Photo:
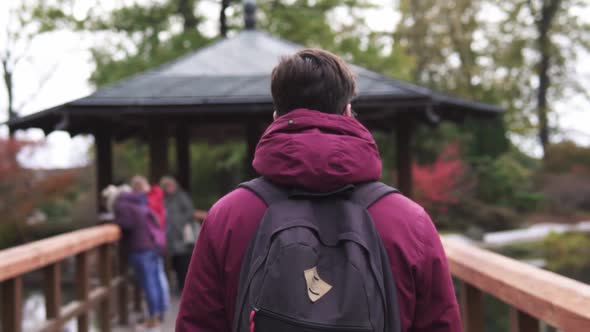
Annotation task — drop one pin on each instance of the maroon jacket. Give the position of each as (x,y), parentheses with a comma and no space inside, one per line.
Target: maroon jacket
(320,152)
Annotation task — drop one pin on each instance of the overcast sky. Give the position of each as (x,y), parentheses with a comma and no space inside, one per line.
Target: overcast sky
(66,56)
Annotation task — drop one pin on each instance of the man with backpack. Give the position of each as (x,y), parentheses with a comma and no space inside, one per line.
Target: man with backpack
(316,243)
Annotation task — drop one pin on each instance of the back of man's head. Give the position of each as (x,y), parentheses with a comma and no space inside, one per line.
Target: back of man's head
(140,184)
(313,79)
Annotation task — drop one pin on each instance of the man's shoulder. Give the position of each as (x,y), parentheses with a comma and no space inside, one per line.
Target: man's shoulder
(238,204)
(404,224)
(400,206)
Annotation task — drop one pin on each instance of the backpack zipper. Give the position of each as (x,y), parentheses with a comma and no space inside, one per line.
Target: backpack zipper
(315,326)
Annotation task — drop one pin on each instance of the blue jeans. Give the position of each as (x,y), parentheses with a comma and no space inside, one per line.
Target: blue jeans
(146,265)
(164,284)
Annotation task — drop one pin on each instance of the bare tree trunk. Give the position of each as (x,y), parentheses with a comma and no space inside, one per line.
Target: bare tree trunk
(461,35)
(186,8)
(542,102)
(548,12)
(417,46)
(9,91)
(223,18)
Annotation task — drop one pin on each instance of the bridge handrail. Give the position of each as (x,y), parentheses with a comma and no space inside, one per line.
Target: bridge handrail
(36,255)
(86,246)
(533,293)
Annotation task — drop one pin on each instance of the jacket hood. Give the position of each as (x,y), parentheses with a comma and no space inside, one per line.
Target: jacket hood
(317,151)
(131,198)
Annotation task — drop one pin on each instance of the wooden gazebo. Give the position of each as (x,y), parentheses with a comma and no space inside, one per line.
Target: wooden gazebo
(222,91)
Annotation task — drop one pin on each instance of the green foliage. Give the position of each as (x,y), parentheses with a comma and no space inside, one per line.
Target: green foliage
(567,157)
(385,143)
(564,253)
(535,41)
(109,70)
(10,235)
(27,192)
(447,45)
(434,31)
(487,137)
(457,49)
(430,141)
(140,36)
(523,250)
(313,24)
(568,193)
(217,169)
(565,178)
(483,217)
(568,253)
(506,182)
(496,314)
(155,40)
(129,158)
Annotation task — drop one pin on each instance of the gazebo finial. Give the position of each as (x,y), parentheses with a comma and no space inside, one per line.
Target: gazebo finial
(250,14)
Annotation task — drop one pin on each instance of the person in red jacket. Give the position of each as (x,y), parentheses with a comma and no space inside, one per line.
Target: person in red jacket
(316,143)
(153,197)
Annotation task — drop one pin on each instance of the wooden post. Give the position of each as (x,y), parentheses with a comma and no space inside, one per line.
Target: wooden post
(158,147)
(105,273)
(253,134)
(183,159)
(82,288)
(12,305)
(104,163)
(124,291)
(52,291)
(471,304)
(404,131)
(520,321)
(137,304)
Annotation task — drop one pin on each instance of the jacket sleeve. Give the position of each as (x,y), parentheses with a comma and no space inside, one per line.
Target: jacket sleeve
(124,214)
(436,303)
(187,207)
(202,304)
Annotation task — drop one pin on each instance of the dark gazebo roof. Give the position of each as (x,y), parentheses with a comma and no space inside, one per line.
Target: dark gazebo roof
(230,79)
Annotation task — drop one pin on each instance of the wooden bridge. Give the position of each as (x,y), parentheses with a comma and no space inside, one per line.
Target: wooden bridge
(104,287)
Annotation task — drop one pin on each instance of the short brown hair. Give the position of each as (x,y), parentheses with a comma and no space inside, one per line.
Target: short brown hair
(313,79)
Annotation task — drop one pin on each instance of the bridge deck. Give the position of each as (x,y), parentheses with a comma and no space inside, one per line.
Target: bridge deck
(167,326)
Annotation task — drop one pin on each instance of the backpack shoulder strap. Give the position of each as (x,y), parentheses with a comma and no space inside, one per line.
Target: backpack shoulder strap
(265,190)
(368,193)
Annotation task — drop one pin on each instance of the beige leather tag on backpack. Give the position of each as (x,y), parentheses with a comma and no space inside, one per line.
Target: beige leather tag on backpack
(316,287)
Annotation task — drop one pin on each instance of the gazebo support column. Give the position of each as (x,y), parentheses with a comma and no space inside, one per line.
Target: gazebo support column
(104,163)
(183,159)
(253,134)
(404,132)
(158,147)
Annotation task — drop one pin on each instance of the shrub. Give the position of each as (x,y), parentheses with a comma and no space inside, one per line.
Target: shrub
(566,193)
(567,157)
(25,190)
(505,181)
(479,217)
(568,254)
(565,178)
(442,183)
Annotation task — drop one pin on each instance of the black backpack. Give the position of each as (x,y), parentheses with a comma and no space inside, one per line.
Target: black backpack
(316,263)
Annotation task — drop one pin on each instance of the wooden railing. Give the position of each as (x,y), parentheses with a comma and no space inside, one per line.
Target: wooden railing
(534,294)
(94,243)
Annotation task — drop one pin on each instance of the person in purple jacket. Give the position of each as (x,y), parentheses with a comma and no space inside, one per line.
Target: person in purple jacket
(143,244)
(315,143)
